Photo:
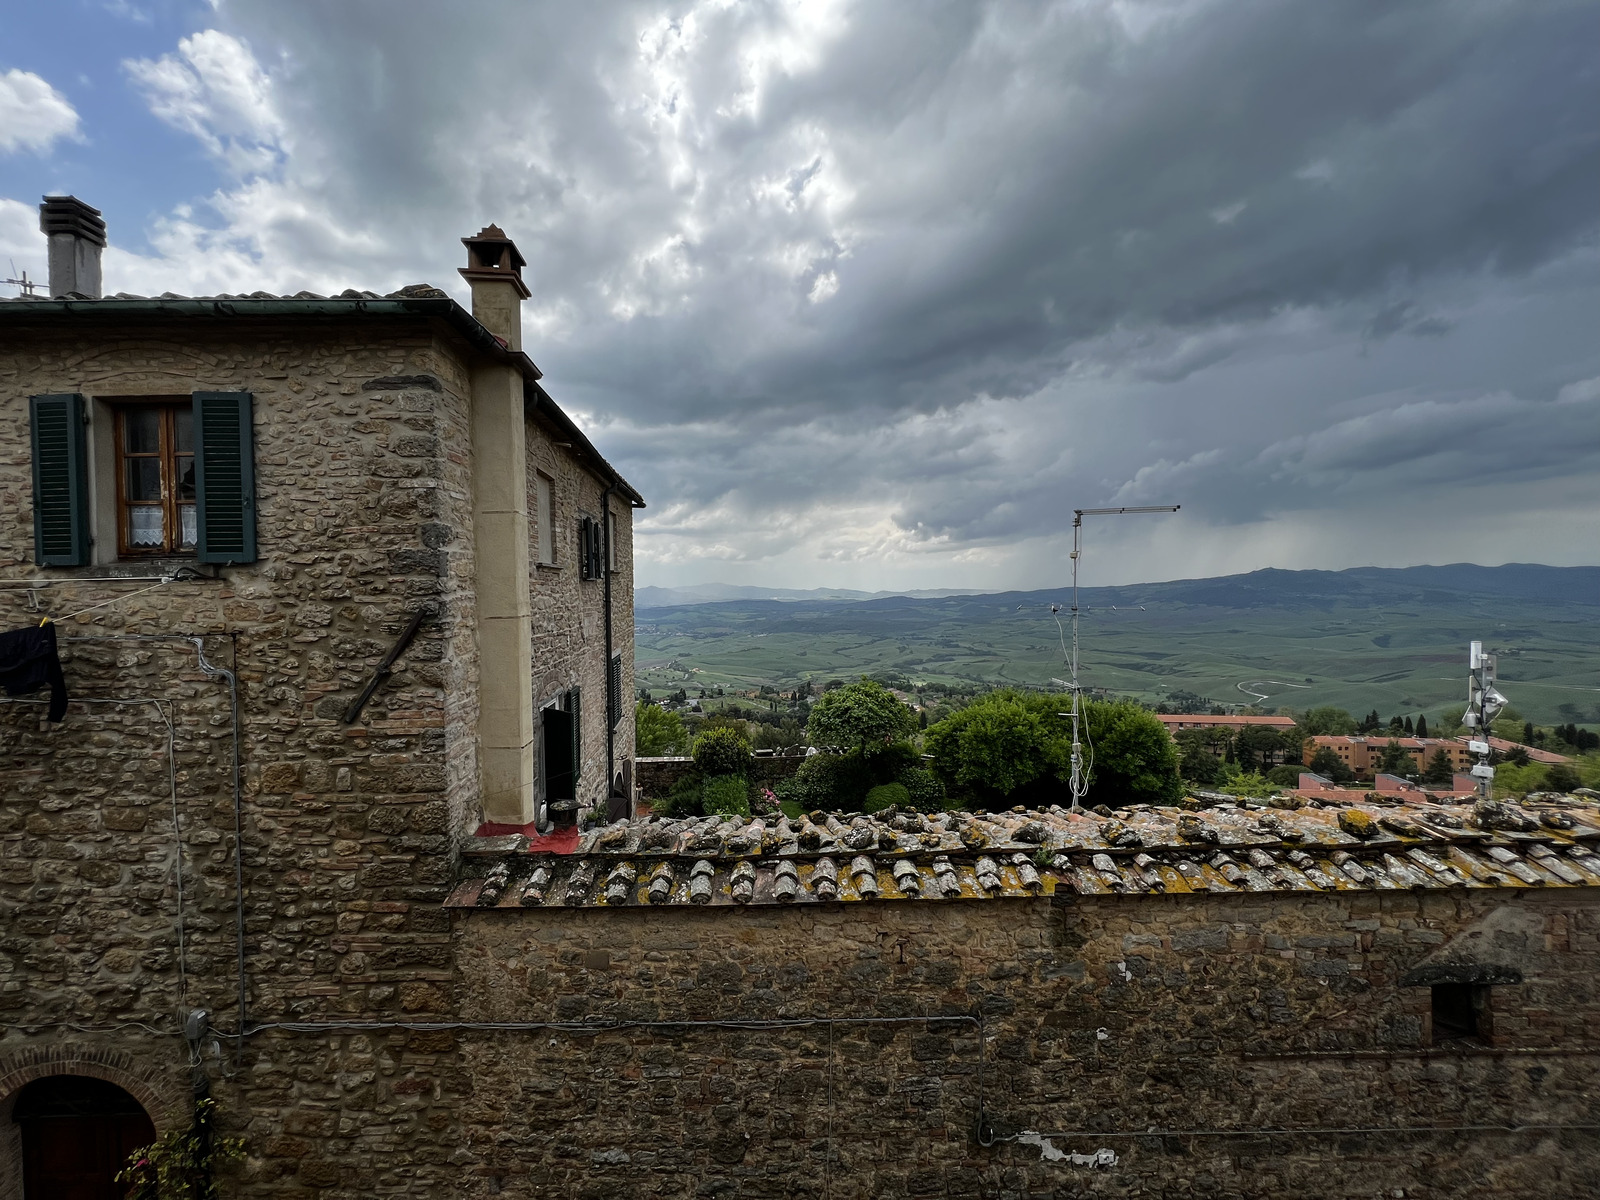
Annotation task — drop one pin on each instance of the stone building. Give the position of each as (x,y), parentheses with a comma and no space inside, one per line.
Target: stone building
(323,922)
(1362,754)
(234,511)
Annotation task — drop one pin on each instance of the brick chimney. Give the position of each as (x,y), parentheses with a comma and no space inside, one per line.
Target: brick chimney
(77,235)
(506,750)
(494,269)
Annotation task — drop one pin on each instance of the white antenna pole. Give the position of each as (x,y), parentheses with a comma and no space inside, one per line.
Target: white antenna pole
(1080,783)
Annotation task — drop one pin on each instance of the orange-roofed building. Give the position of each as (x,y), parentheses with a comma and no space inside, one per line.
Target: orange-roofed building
(1361,754)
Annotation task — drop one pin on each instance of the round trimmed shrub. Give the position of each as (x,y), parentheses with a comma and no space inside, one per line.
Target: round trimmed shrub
(925,792)
(886,795)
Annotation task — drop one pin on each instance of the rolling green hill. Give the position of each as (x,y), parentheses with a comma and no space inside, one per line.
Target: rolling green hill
(1394,640)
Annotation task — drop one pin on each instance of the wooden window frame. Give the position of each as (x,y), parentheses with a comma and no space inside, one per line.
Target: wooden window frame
(167,456)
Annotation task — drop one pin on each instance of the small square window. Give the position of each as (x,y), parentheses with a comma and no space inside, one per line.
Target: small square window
(1458,1010)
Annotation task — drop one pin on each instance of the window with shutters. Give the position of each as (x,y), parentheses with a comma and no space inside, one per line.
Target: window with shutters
(614,691)
(155,478)
(591,549)
(545,540)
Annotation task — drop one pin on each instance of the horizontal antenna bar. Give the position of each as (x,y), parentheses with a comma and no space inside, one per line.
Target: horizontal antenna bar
(1107,512)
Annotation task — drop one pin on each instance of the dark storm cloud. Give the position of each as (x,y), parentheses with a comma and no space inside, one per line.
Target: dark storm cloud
(905,282)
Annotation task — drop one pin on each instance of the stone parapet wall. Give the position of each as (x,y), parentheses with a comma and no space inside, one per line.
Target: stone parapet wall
(658,776)
(1102,1018)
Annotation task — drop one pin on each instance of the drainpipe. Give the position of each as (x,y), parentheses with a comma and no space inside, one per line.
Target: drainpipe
(238,829)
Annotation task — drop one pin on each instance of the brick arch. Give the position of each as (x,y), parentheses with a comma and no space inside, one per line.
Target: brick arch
(161,1091)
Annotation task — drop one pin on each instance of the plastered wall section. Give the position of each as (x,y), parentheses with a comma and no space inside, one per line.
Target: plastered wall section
(569,611)
(362,464)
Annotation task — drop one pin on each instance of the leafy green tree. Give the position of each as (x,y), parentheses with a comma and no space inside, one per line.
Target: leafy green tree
(1330,766)
(1439,771)
(1527,733)
(1320,722)
(1254,747)
(656,731)
(1134,761)
(1010,746)
(722,751)
(865,717)
(1395,759)
(1199,765)
(997,745)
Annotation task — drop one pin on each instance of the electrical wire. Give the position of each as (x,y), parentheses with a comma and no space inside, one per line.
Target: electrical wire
(78,1027)
(1092,1134)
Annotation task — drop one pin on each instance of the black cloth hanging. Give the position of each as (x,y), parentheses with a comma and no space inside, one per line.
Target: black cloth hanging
(28,661)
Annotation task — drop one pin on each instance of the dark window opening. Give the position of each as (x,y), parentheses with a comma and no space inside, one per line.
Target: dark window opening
(1457,1010)
(559,777)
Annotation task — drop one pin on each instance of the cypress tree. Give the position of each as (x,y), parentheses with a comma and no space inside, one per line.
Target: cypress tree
(1422,725)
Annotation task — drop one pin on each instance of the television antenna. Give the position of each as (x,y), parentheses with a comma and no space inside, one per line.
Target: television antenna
(1484,704)
(27,286)
(1080,781)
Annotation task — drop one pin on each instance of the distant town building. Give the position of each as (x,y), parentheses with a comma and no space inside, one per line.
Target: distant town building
(1361,754)
(1176,721)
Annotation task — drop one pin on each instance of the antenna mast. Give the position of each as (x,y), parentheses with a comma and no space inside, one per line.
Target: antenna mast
(1080,781)
(1483,706)
(25,286)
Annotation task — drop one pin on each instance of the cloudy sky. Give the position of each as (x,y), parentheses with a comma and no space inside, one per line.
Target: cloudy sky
(875,294)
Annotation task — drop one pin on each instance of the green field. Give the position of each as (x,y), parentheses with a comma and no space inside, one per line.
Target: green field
(1391,640)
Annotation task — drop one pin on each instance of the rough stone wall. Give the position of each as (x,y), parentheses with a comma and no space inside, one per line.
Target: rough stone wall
(362,465)
(569,611)
(1103,1018)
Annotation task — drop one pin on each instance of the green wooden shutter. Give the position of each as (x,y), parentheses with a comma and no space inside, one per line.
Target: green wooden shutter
(60,481)
(225,477)
(614,691)
(575,707)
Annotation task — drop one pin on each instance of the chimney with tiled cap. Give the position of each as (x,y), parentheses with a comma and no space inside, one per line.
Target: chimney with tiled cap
(77,236)
(506,749)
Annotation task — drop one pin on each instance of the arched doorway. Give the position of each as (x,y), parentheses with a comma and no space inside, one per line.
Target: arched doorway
(77,1133)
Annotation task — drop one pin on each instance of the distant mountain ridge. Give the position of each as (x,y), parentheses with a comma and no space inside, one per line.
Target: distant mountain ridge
(1394,639)
(1270,587)
(713,593)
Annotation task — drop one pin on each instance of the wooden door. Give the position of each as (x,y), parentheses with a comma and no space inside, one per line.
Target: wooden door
(77,1133)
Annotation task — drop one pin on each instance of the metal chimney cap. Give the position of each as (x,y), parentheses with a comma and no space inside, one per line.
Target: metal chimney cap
(68,214)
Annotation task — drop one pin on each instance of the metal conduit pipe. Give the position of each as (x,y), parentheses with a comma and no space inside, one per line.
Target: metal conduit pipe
(611,717)
(238,831)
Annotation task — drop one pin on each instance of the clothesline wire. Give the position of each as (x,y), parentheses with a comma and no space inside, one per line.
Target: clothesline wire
(113,600)
(36,583)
